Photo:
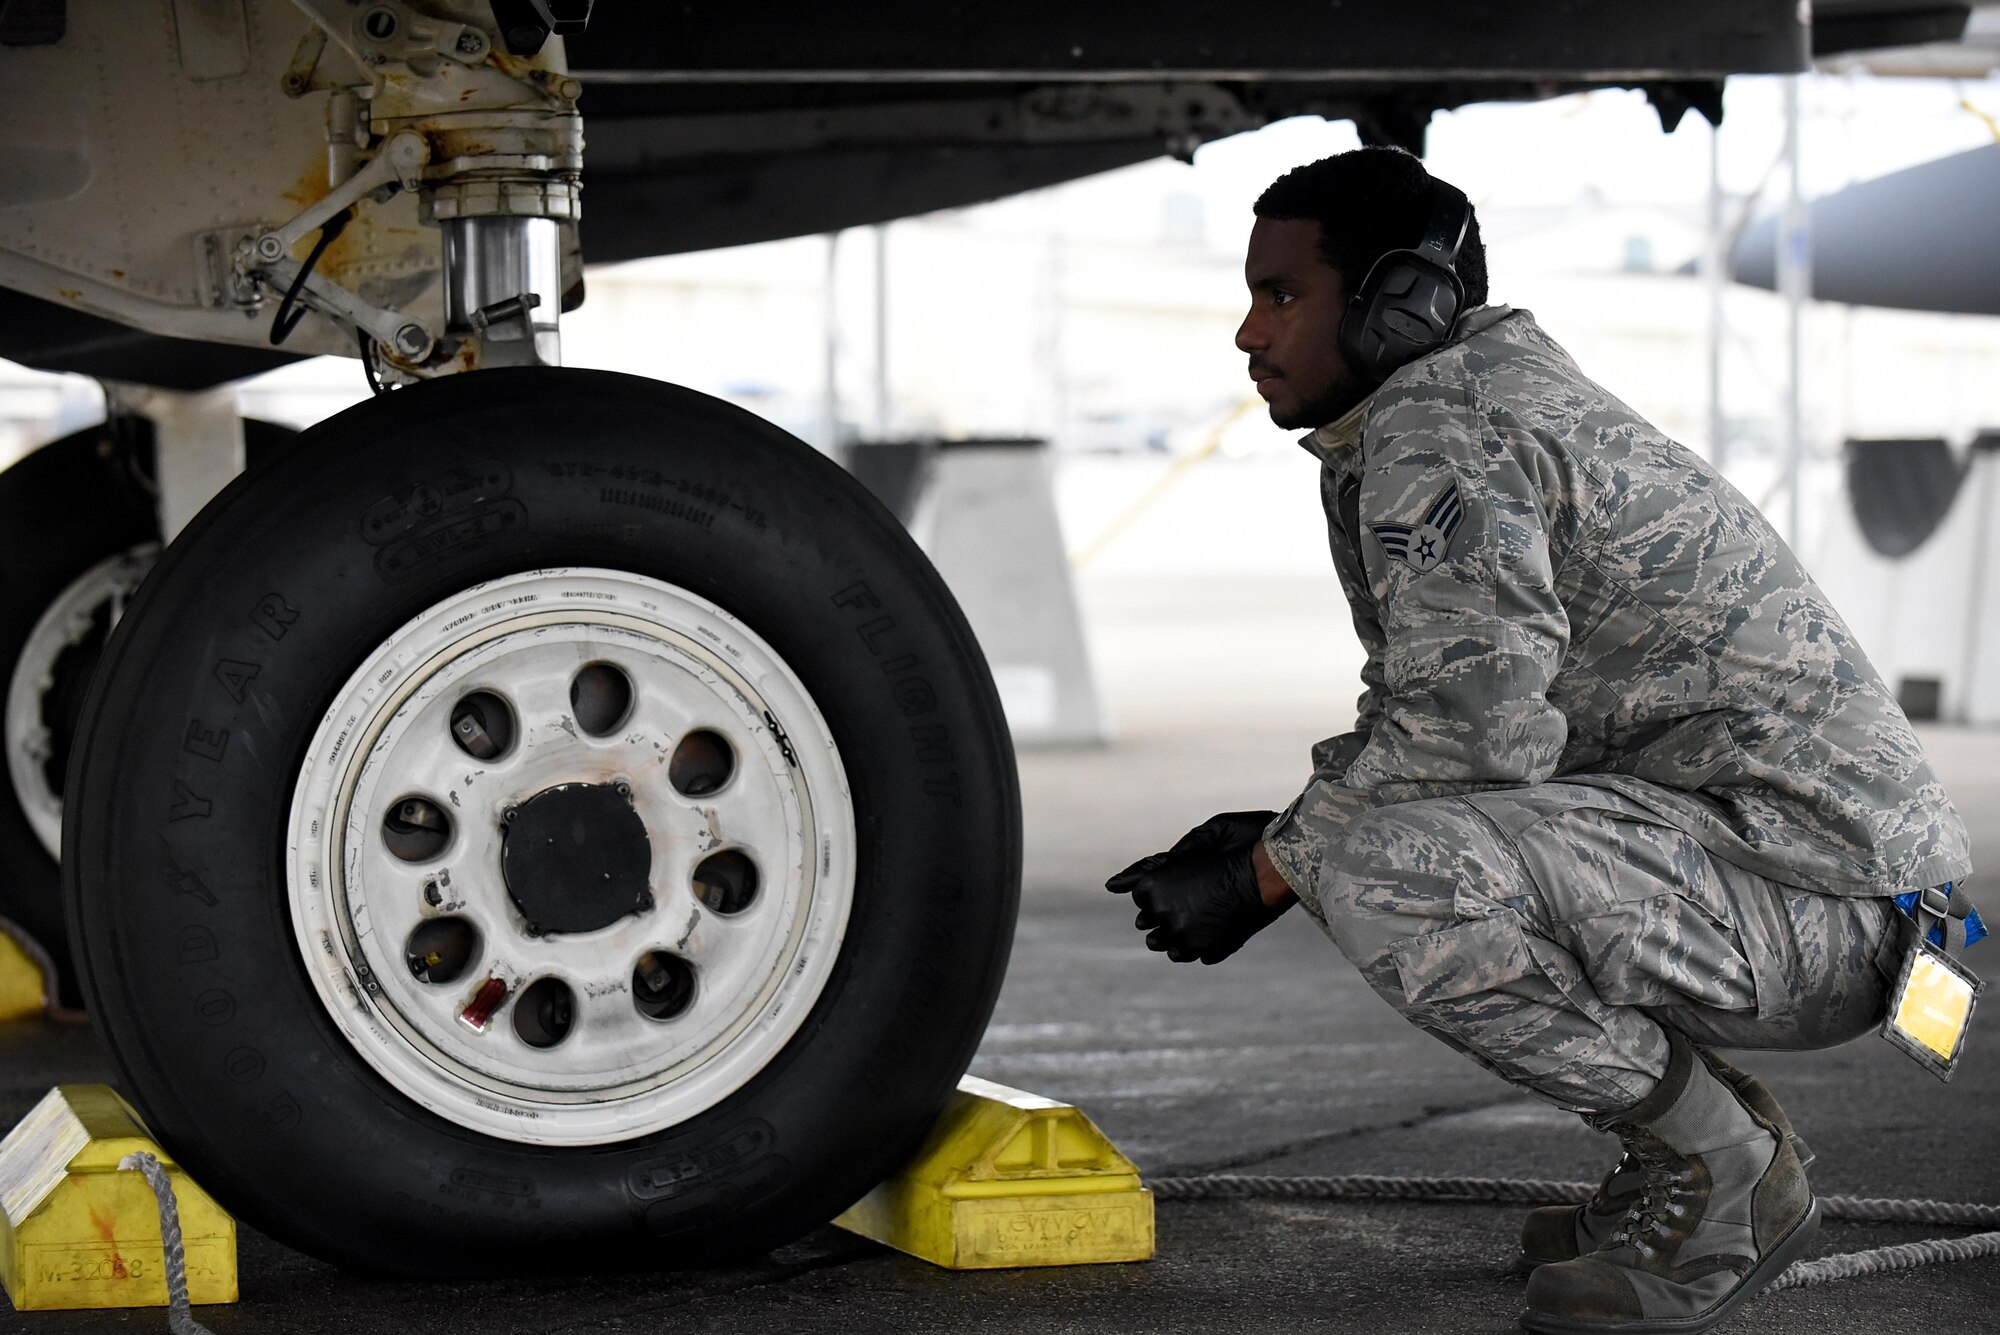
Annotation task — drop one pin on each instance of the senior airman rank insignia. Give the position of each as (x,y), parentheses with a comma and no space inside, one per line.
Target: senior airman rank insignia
(1424,545)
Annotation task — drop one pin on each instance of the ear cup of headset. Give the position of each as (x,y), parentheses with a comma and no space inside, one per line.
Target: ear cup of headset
(1404,309)
(1410,299)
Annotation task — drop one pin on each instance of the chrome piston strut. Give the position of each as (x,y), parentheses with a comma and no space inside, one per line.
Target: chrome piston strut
(503,283)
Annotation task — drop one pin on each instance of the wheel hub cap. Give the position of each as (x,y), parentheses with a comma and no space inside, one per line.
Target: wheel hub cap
(572,855)
(576,858)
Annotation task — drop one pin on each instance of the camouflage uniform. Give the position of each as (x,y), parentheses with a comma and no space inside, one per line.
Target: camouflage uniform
(1618,761)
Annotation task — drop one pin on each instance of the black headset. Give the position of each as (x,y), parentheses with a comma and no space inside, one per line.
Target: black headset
(1410,299)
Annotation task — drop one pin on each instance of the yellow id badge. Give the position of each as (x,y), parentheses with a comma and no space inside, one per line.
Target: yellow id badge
(1931,1007)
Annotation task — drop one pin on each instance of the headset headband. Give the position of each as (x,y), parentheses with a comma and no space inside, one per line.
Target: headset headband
(1451,219)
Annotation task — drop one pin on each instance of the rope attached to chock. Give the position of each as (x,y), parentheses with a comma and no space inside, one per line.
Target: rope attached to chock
(1528,1191)
(180,1315)
(1367,1187)
(1363,1187)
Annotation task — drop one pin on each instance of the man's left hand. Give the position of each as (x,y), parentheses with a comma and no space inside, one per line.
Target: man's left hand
(1200,899)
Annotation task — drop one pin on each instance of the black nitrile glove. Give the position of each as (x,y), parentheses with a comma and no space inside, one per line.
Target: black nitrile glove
(1227,832)
(1200,898)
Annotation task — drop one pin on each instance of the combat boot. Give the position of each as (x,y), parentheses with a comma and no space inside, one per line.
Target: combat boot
(1723,1208)
(1553,1233)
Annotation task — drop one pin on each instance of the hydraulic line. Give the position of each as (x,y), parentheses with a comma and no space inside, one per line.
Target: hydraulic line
(290,312)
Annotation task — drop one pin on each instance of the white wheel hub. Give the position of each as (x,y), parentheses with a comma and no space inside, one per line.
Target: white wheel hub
(571,857)
(88,608)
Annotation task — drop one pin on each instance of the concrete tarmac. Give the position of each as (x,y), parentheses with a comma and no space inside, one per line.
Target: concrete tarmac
(1278,1061)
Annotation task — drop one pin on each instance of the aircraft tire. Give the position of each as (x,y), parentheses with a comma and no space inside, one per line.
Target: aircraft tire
(81,530)
(347,983)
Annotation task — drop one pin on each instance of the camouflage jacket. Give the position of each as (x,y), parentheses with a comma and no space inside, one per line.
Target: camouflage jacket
(1547,587)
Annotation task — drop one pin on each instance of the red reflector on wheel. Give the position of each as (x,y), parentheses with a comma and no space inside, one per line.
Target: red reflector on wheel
(479,1012)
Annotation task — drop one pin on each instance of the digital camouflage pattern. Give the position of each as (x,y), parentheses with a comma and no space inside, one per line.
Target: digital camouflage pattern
(1607,611)
(1550,932)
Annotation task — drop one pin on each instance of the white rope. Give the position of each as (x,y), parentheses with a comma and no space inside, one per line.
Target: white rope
(1462,1190)
(180,1316)
(1517,1191)
(1880,1260)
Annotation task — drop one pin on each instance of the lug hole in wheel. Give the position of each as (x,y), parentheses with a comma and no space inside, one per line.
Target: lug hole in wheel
(416,829)
(483,726)
(442,949)
(544,1012)
(701,764)
(600,697)
(726,881)
(662,985)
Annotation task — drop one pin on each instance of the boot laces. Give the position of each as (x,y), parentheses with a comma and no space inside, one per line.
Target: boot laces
(1659,1197)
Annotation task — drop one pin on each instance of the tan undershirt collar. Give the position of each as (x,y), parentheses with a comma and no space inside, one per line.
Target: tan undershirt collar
(1339,434)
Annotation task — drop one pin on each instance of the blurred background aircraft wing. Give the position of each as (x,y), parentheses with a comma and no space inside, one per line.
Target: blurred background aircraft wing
(1921,239)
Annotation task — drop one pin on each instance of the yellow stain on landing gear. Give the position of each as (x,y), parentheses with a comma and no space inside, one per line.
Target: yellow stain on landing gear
(23,991)
(76,1232)
(1011,1179)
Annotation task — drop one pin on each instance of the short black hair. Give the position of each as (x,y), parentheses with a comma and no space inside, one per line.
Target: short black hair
(1367,203)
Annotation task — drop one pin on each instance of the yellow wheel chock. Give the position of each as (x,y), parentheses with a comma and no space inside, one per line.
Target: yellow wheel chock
(75,1232)
(1011,1179)
(23,991)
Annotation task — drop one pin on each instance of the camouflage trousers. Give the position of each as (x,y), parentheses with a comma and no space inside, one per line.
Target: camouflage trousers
(1554,933)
